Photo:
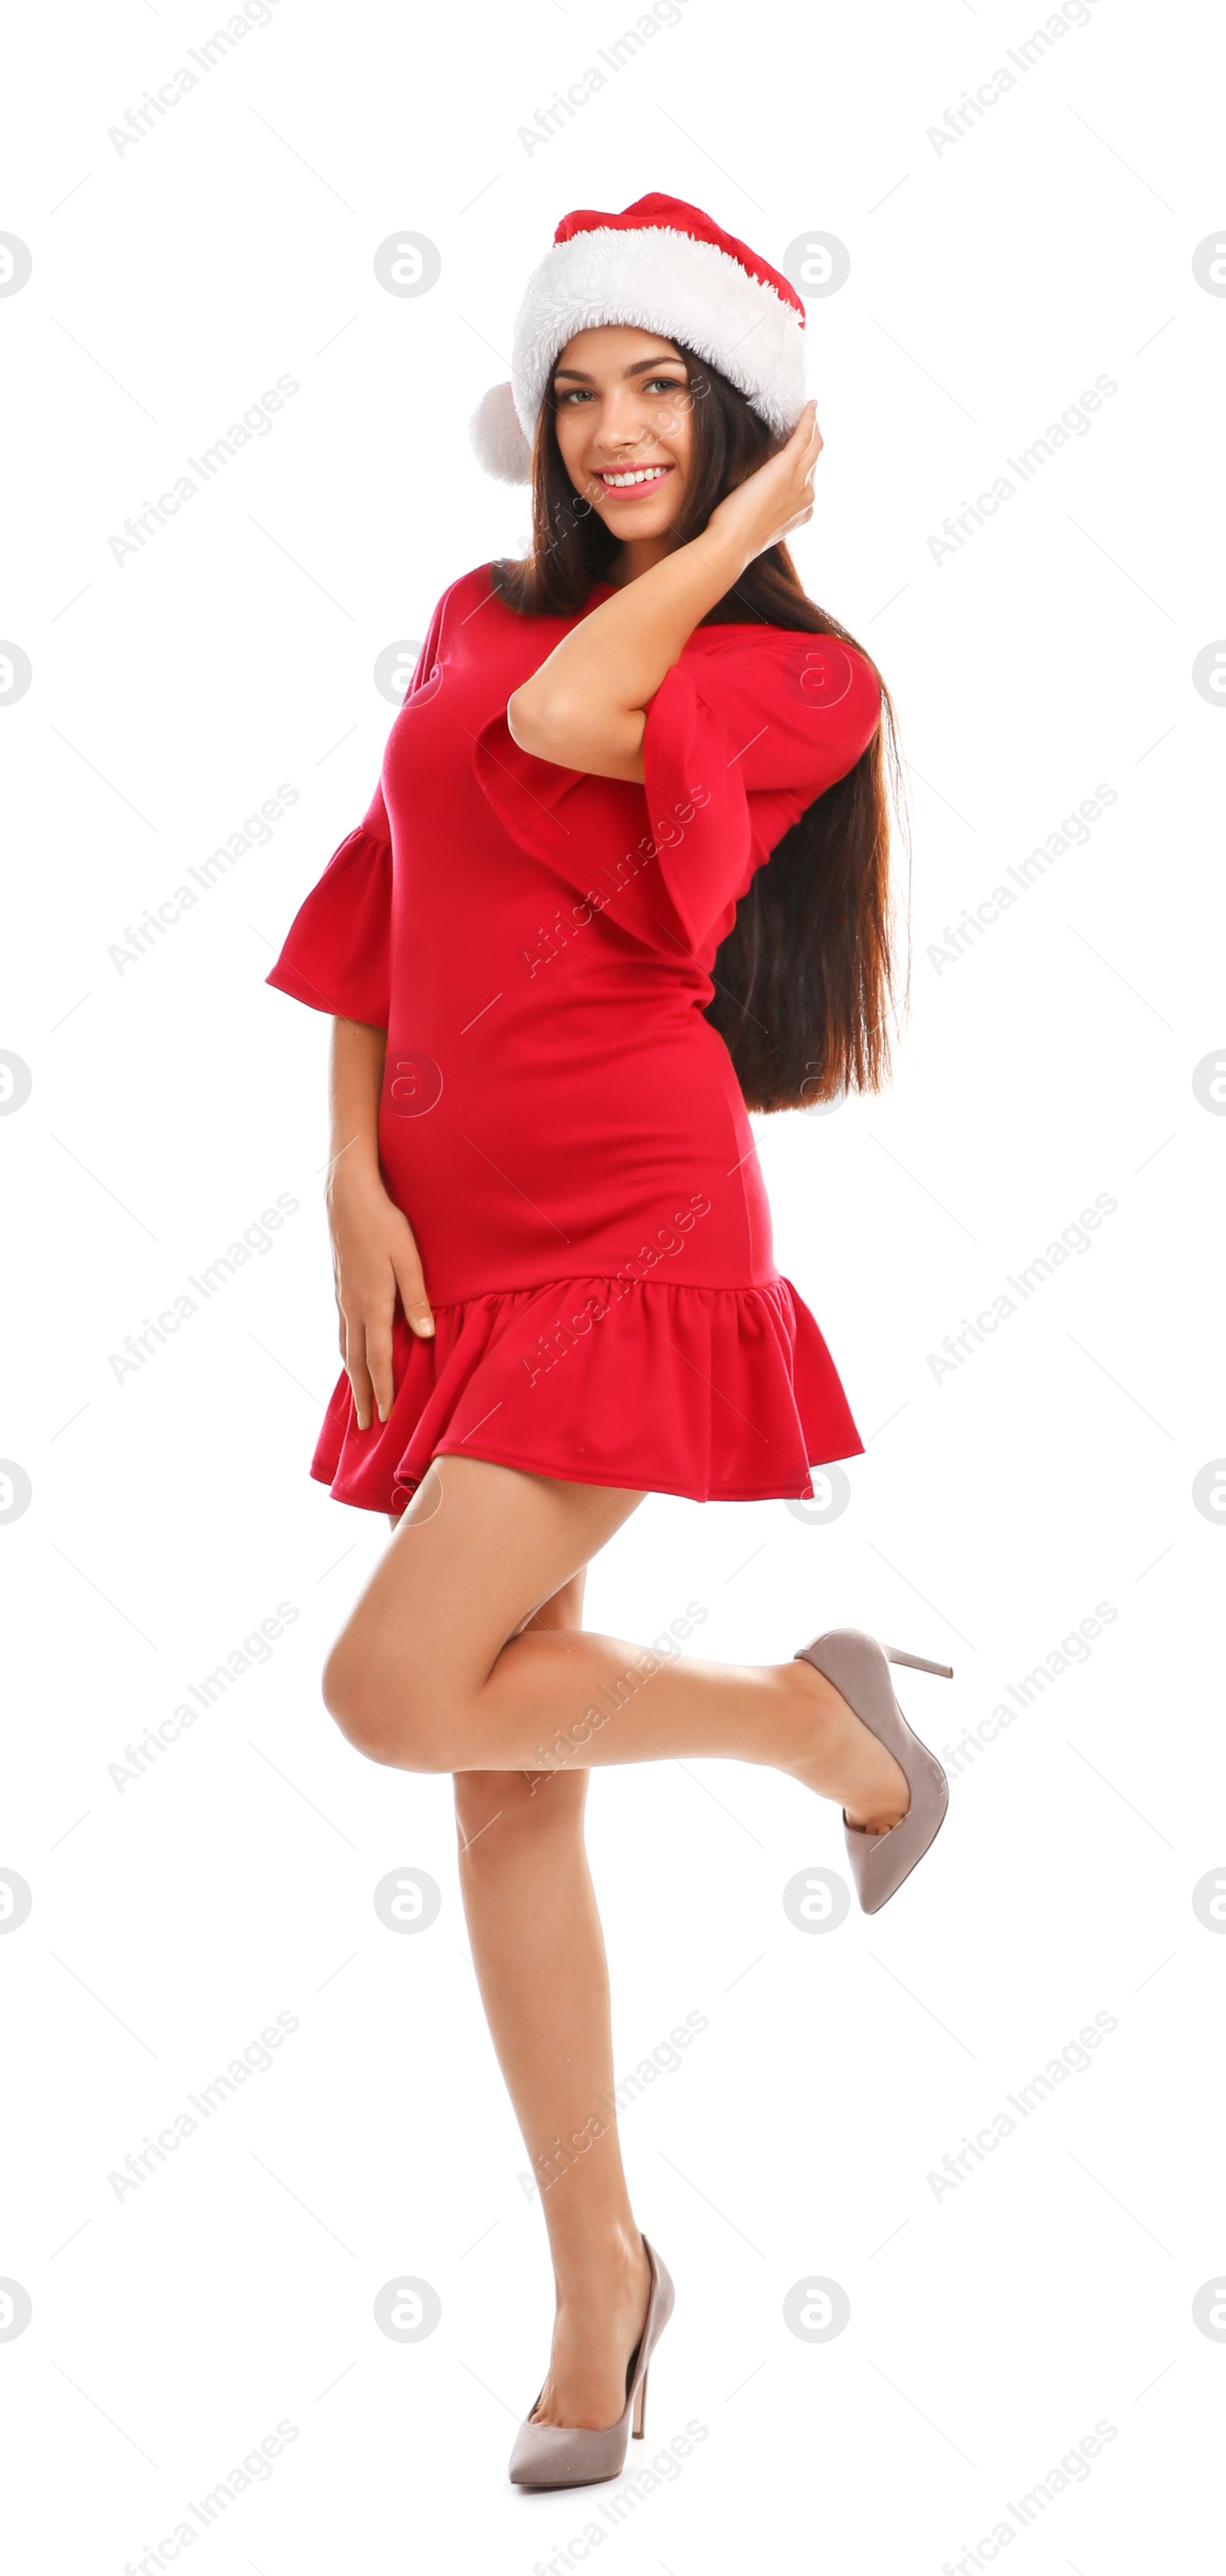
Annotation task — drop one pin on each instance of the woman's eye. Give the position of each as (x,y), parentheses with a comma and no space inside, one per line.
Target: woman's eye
(654,385)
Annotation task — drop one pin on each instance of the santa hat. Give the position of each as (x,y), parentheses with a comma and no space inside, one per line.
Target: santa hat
(666,267)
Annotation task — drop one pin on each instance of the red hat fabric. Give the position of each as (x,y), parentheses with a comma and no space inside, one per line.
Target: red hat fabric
(668,267)
(655,212)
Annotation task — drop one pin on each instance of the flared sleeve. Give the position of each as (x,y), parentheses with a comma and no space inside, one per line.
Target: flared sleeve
(748,728)
(336,955)
(741,736)
(337,952)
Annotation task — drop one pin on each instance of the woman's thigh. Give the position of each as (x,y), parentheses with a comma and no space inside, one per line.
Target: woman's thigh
(479,1551)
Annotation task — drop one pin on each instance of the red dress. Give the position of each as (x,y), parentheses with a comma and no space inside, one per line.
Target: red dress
(560,1124)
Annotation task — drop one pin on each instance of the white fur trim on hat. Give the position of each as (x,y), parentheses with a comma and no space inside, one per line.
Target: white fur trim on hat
(659,279)
(498,441)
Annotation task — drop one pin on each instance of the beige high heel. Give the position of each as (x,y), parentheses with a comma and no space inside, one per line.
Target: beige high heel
(566,2455)
(859,1670)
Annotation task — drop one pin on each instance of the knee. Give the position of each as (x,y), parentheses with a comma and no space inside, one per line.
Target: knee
(351,1696)
(378,1705)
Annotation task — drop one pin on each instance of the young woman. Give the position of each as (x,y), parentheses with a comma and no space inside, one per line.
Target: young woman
(624,876)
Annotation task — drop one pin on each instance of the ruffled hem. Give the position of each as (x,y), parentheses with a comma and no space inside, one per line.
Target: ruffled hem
(713,1394)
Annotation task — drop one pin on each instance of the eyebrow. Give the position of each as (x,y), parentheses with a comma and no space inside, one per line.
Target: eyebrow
(641,367)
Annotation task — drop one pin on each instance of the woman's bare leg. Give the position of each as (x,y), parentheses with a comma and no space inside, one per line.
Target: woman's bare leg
(429,1674)
(540,1959)
(465,1654)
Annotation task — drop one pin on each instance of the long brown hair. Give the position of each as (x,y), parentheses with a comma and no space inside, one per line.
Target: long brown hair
(804,981)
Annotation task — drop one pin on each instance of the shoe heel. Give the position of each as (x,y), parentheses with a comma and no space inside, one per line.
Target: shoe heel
(640,2408)
(918,1663)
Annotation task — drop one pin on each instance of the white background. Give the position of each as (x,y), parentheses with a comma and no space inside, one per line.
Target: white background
(991,2328)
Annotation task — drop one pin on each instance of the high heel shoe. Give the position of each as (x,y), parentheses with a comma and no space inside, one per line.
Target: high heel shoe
(859,1670)
(566,2455)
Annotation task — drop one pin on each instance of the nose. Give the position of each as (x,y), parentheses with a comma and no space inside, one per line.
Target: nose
(622,423)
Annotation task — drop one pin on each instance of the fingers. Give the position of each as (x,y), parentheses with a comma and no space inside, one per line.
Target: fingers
(379,1343)
(353,1351)
(807,437)
(806,424)
(375,1259)
(367,1345)
(413,1297)
(378,1336)
(379,1365)
(806,443)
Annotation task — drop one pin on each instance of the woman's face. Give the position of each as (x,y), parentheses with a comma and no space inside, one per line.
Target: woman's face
(624,416)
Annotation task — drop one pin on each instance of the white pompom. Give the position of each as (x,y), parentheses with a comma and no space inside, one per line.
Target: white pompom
(498,440)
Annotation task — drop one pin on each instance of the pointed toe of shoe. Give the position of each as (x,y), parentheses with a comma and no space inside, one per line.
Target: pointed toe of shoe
(880,1862)
(858,1665)
(873,1882)
(564,2455)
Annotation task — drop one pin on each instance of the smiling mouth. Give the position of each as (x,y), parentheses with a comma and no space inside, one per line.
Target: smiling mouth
(632,478)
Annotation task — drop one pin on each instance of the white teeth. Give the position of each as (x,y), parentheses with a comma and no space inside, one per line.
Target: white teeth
(643,474)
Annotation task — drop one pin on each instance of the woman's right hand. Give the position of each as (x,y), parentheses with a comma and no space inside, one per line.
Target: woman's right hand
(373,1255)
(775,498)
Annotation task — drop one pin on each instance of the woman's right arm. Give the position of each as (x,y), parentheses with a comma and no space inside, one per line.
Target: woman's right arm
(585,707)
(373,1250)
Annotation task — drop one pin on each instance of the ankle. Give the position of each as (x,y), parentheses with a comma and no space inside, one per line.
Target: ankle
(600,2265)
(812,1715)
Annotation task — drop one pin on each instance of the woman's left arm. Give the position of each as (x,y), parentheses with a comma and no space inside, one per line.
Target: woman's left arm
(584,708)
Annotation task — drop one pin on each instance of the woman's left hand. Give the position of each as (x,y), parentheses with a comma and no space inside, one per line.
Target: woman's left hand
(776,498)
